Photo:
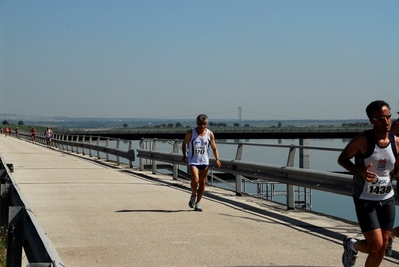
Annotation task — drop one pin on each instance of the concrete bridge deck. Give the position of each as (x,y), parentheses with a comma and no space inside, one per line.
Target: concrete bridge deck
(98,214)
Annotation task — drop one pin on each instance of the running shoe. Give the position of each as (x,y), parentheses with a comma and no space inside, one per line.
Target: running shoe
(349,256)
(388,250)
(191,202)
(197,207)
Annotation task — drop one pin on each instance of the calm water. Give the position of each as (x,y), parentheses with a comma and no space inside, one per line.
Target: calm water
(328,203)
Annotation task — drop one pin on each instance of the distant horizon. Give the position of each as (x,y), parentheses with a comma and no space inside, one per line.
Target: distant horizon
(7,116)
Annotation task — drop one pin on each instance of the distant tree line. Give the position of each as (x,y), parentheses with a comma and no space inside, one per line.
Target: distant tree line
(220,124)
(180,125)
(355,124)
(5,122)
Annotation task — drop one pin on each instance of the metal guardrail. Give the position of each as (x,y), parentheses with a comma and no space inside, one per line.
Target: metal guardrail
(336,183)
(22,229)
(85,144)
(223,132)
(218,130)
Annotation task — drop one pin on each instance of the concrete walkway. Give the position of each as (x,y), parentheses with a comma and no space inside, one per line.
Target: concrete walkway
(98,214)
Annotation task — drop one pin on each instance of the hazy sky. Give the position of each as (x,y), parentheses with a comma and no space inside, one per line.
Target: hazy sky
(299,59)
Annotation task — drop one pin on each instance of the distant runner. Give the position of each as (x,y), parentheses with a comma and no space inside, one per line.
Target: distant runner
(33,133)
(198,140)
(48,134)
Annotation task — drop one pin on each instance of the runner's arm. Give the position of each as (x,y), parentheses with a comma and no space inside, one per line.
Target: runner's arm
(357,145)
(215,149)
(186,140)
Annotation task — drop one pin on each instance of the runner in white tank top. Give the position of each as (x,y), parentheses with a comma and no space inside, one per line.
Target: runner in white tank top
(376,157)
(198,148)
(199,140)
(48,134)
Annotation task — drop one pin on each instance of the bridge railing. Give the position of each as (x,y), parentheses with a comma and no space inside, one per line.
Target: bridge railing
(337,183)
(296,180)
(287,132)
(93,146)
(219,131)
(22,229)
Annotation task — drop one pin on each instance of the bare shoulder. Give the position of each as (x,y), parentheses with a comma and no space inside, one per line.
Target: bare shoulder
(211,134)
(188,135)
(358,143)
(360,137)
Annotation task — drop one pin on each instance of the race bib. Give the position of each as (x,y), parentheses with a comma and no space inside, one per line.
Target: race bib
(199,150)
(380,186)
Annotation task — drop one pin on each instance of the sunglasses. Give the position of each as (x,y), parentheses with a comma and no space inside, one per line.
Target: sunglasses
(383,118)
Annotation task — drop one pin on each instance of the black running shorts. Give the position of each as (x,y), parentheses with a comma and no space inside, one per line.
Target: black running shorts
(373,215)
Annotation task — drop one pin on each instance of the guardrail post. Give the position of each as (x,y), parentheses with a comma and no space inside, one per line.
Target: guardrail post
(291,156)
(304,156)
(290,188)
(54,141)
(107,145)
(77,144)
(176,166)
(141,160)
(90,141)
(15,236)
(67,139)
(240,147)
(130,148)
(98,144)
(61,145)
(83,149)
(57,137)
(154,162)
(74,139)
(118,159)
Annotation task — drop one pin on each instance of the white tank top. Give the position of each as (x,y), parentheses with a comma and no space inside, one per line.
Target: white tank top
(383,161)
(48,134)
(198,150)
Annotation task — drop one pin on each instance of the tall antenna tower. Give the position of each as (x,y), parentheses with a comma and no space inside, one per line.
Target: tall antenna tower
(239,115)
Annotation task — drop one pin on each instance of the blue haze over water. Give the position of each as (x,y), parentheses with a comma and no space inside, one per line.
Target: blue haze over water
(323,202)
